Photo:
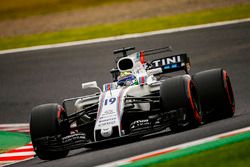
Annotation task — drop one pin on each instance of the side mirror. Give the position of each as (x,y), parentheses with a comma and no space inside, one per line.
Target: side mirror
(92,84)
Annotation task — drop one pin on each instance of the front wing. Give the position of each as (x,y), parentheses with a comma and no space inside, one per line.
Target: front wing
(78,140)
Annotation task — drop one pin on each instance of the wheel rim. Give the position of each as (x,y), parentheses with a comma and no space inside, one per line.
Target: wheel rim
(193,99)
(229,91)
(61,116)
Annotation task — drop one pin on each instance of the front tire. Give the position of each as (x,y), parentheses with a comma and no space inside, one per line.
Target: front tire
(45,121)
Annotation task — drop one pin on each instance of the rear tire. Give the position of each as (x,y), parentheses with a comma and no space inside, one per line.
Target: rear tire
(215,93)
(179,93)
(45,121)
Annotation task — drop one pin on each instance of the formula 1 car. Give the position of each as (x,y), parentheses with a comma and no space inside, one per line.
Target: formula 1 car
(141,100)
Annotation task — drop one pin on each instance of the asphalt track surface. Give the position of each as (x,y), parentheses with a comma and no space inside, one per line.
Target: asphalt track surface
(35,77)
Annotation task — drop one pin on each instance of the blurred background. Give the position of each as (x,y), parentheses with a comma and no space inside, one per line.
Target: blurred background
(22,19)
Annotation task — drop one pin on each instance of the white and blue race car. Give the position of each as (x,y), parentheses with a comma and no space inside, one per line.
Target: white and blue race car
(141,100)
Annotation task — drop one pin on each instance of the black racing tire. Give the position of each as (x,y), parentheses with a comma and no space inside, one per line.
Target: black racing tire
(215,94)
(45,121)
(179,93)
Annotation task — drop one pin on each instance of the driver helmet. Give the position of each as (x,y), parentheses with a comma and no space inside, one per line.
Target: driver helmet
(126,78)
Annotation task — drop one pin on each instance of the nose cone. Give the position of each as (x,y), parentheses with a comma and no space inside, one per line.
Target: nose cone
(107,131)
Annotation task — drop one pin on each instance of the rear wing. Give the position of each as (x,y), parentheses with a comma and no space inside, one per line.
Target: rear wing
(170,64)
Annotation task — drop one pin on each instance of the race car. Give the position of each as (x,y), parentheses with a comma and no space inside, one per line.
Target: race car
(142,99)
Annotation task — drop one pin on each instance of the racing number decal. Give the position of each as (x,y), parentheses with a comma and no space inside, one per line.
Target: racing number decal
(109,101)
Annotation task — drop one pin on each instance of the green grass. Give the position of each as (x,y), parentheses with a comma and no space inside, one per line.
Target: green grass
(10,140)
(134,26)
(233,155)
(12,9)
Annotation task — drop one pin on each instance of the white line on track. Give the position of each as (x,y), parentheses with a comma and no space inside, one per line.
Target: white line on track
(25,147)
(17,154)
(14,125)
(128,36)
